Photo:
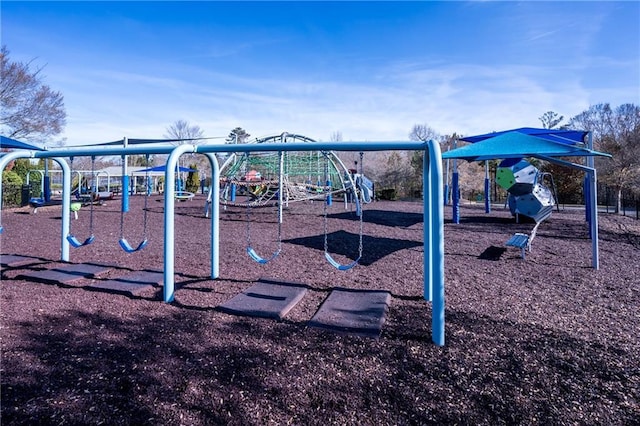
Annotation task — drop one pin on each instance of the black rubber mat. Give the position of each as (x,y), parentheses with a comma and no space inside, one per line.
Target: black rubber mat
(135,283)
(359,312)
(266,299)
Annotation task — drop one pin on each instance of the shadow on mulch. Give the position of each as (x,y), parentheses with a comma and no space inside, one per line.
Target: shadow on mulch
(118,365)
(383,217)
(346,244)
(492,253)
(489,219)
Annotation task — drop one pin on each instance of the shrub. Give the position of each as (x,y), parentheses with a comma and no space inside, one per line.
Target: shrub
(386,194)
(11,188)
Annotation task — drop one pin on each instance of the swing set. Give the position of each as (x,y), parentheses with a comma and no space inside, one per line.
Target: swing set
(433,233)
(250,250)
(124,244)
(358,192)
(73,241)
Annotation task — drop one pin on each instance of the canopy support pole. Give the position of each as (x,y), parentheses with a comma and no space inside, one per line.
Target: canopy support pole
(592,203)
(487,188)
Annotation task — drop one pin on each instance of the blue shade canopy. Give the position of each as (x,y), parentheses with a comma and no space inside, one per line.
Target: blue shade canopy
(569,137)
(8,143)
(163,168)
(517,145)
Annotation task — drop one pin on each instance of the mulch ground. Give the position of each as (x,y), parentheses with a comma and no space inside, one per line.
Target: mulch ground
(546,340)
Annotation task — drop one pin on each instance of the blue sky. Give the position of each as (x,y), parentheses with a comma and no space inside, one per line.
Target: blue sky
(369,70)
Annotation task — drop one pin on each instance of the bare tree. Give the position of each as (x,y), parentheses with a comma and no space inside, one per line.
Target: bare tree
(395,176)
(422,132)
(182,130)
(550,120)
(30,110)
(617,132)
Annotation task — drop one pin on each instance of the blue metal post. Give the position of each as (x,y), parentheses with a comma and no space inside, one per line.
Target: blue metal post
(427,226)
(437,245)
(125,194)
(446,181)
(586,185)
(487,188)
(66,208)
(46,190)
(215,216)
(593,228)
(455,188)
(455,196)
(169,219)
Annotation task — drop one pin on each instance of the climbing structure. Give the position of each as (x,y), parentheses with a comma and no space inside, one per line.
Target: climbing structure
(528,193)
(257,175)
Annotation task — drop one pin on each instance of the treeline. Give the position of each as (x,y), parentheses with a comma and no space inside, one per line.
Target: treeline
(614,130)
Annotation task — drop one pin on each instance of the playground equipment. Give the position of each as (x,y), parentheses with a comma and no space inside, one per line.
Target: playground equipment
(300,178)
(433,233)
(357,194)
(547,145)
(250,250)
(528,195)
(184,195)
(70,237)
(124,244)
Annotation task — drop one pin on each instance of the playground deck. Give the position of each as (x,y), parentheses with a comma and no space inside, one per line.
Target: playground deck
(546,340)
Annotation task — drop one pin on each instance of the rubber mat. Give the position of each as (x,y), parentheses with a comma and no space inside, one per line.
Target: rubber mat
(14,260)
(65,274)
(135,283)
(265,299)
(360,312)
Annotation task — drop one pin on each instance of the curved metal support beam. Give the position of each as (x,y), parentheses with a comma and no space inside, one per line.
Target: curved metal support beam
(169,218)
(66,194)
(215,215)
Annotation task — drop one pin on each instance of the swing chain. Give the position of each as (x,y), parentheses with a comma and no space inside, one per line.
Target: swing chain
(91,194)
(359,194)
(326,202)
(146,197)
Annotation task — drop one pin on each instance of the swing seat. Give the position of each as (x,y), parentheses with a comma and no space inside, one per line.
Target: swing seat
(339,266)
(76,243)
(128,248)
(184,195)
(255,256)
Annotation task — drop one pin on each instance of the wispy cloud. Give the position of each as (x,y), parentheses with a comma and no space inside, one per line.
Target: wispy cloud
(459,98)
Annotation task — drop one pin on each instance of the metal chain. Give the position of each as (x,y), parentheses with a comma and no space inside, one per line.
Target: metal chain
(93,176)
(123,196)
(146,198)
(248,227)
(361,206)
(326,201)
(248,221)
